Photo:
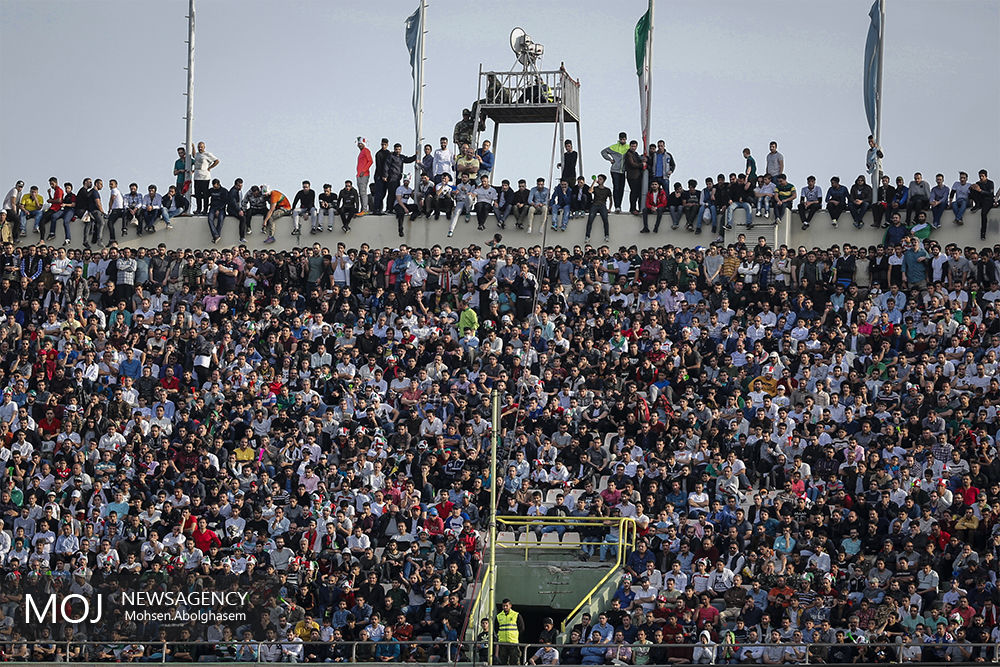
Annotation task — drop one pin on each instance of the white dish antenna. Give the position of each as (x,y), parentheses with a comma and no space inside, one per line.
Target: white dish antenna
(526,50)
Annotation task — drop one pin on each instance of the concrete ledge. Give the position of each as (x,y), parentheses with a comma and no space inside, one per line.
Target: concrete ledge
(381,231)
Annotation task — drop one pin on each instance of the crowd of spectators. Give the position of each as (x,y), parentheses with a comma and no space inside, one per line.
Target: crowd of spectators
(459,185)
(805,438)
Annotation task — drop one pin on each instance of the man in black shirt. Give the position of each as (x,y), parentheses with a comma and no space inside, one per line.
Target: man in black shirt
(381,182)
(327,206)
(600,196)
(568,164)
(981,193)
(692,200)
(675,205)
(349,204)
(304,204)
(486,284)
(217,200)
(519,201)
(233,208)
(886,193)
(96,210)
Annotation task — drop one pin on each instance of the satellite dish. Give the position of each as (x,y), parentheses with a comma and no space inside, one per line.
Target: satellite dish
(524,48)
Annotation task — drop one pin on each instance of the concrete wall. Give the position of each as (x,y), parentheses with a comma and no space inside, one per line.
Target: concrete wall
(381,231)
(558,585)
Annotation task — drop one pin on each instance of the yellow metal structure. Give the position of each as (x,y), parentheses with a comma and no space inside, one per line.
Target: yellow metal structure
(627,532)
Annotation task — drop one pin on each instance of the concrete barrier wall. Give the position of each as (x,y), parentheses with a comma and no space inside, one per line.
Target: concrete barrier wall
(381,231)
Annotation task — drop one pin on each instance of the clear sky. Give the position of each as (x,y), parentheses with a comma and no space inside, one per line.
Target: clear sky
(95,88)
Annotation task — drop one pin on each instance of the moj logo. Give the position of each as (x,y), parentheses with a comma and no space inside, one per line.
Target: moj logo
(56,610)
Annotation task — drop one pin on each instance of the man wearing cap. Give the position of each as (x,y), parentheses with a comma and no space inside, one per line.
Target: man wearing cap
(464,129)
(363,173)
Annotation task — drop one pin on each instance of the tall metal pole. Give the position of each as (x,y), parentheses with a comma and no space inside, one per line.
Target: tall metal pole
(647,177)
(649,78)
(188,138)
(878,98)
(494,440)
(420,92)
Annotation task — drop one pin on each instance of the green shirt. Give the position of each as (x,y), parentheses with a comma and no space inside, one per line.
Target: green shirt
(786,191)
(179,164)
(469,319)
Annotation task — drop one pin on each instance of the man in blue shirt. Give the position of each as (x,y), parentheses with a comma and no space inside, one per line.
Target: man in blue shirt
(485,156)
(939,200)
(130,367)
(559,204)
(663,165)
(538,202)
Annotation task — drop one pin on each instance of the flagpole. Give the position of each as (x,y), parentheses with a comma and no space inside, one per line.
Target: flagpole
(189,115)
(420,93)
(649,103)
(649,79)
(492,591)
(878,96)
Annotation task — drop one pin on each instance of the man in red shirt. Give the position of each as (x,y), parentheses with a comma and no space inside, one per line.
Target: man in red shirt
(170,381)
(656,202)
(363,173)
(55,205)
(706,613)
(968,492)
(205,538)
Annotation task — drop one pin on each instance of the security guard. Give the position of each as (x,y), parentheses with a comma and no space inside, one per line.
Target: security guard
(509,626)
(464,129)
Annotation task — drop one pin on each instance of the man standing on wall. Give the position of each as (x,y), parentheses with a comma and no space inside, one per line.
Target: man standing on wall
(364,173)
(661,166)
(982,193)
(381,180)
(615,154)
(775,162)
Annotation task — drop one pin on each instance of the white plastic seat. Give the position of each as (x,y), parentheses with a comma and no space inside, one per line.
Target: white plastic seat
(507,538)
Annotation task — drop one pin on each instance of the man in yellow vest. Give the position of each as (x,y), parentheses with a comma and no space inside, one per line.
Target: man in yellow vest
(509,626)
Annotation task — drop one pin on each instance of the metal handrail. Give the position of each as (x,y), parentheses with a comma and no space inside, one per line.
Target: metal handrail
(723,647)
(529,88)
(623,542)
(484,570)
(627,531)
(453,648)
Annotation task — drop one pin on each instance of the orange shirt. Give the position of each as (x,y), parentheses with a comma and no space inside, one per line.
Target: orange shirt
(277,197)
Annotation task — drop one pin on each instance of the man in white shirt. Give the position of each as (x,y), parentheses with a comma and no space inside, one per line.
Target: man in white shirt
(444,161)
(11,201)
(191,555)
(62,266)
(116,205)
(720,579)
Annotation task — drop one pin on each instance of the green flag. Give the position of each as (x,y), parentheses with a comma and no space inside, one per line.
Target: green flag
(642,29)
